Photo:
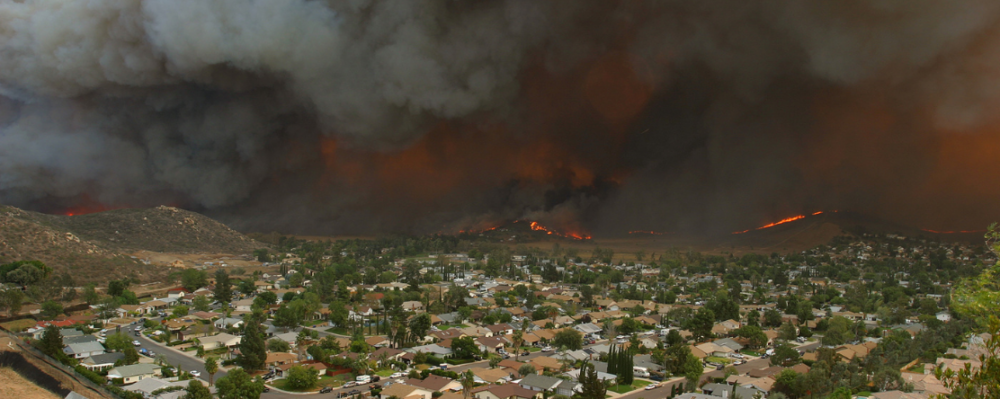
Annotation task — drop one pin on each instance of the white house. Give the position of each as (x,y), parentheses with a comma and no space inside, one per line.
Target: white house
(134,373)
(84,350)
(219,341)
(227,322)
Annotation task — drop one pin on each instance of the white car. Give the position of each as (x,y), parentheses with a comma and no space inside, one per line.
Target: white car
(136,343)
(652,386)
(195,373)
(547,349)
(397,375)
(349,384)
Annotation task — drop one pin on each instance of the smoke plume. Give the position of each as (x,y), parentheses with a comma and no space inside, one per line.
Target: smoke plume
(436,115)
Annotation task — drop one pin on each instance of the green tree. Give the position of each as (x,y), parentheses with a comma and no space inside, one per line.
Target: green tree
(118,342)
(526,369)
(211,367)
(464,348)
(784,355)
(278,345)
(568,338)
(518,340)
(787,332)
(238,385)
(419,325)
(193,279)
(180,311)
(201,303)
(692,372)
(701,324)
(131,355)
(253,352)
(195,390)
(118,287)
(468,381)
(223,286)
(90,294)
(11,299)
(51,309)
(301,378)
(593,387)
(772,318)
(51,343)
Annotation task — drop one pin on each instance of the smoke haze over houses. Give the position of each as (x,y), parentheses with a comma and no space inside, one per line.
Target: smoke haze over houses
(425,116)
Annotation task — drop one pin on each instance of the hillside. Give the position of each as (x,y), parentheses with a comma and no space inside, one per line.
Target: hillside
(96,247)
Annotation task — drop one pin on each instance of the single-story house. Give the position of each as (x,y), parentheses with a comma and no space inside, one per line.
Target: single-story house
(435,383)
(84,350)
(134,373)
(405,391)
(102,361)
(222,340)
(506,391)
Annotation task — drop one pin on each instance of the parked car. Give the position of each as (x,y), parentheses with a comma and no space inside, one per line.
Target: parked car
(266,389)
(547,349)
(326,390)
(354,392)
(195,373)
(652,386)
(136,343)
(349,384)
(526,353)
(398,375)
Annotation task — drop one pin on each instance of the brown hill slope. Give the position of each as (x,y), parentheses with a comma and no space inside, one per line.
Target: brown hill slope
(93,247)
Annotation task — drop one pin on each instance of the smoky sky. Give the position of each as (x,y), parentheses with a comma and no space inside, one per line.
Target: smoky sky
(425,116)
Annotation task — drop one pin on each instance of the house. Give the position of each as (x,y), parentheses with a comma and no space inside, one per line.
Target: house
(729,343)
(413,306)
(391,354)
(147,386)
(435,383)
(540,383)
(280,358)
(405,391)
(588,328)
(506,391)
(433,349)
(222,340)
(243,305)
(501,329)
(544,362)
(178,292)
(79,339)
(712,349)
(84,350)
(227,322)
(491,376)
(727,391)
(491,344)
(102,362)
(134,373)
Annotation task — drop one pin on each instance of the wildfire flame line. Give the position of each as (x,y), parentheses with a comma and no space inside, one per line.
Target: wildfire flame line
(782,221)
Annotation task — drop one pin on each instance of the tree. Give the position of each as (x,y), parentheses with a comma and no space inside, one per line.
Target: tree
(51,309)
(593,387)
(278,345)
(468,381)
(784,355)
(201,303)
(568,338)
(526,369)
(25,275)
(180,311)
(11,299)
(90,294)
(787,332)
(211,367)
(223,287)
(131,355)
(253,352)
(193,279)
(419,326)
(51,343)
(238,385)
(118,342)
(301,378)
(692,372)
(464,348)
(118,287)
(195,390)
(518,340)
(772,318)
(289,315)
(754,335)
(701,324)
(270,297)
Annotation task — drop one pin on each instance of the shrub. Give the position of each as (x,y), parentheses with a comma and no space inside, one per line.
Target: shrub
(90,375)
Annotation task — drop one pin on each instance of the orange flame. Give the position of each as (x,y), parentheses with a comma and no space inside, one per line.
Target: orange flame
(817,213)
(782,221)
(535,226)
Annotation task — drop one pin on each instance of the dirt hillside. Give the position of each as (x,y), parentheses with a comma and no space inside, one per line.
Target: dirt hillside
(96,247)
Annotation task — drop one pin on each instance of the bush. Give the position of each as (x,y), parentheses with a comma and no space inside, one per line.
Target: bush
(90,375)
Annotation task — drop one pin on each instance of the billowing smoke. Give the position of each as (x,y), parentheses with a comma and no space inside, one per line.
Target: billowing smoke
(363,116)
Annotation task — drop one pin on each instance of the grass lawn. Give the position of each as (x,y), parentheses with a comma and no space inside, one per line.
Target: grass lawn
(750,352)
(636,384)
(716,359)
(384,373)
(18,325)
(532,349)
(447,326)
(338,330)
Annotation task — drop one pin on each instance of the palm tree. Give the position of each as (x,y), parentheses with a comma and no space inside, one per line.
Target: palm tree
(468,381)
(211,367)
(518,341)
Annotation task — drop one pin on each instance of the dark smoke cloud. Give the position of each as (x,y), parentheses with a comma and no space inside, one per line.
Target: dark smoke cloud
(363,116)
